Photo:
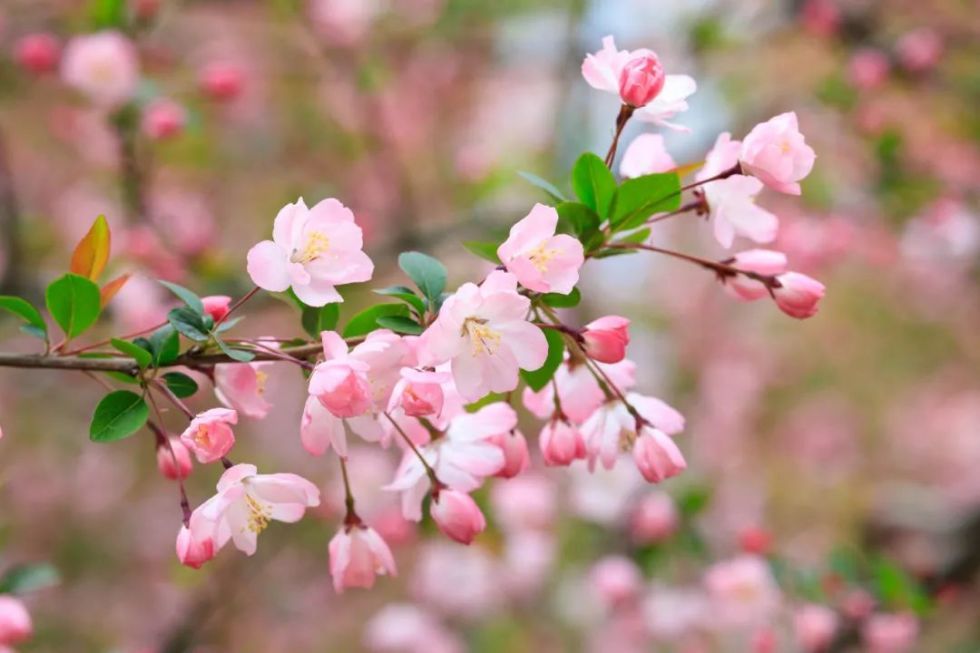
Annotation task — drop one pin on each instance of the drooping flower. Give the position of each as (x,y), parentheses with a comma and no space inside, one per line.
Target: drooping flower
(541,260)
(776,153)
(209,434)
(656,456)
(561,443)
(247,501)
(15,621)
(102,66)
(606,338)
(357,555)
(312,251)
(646,155)
(578,391)
(457,515)
(766,262)
(174,461)
(484,331)
(241,386)
(195,543)
(516,457)
(798,295)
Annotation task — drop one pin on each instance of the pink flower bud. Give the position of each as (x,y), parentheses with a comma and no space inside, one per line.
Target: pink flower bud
(357,555)
(798,295)
(342,387)
(163,119)
(761,261)
(516,457)
(216,306)
(15,621)
(606,338)
(755,540)
(37,53)
(561,443)
(890,633)
(641,80)
(195,545)
(815,627)
(654,519)
(457,515)
(656,456)
(174,465)
(421,395)
(616,579)
(222,81)
(209,434)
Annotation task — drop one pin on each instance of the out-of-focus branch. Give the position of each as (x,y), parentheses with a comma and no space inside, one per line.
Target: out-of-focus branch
(10,233)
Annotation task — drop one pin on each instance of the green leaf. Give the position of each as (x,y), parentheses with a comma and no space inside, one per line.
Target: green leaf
(228,325)
(26,311)
(118,415)
(180,384)
(484,250)
(107,13)
(28,578)
(537,379)
(237,354)
(74,302)
(543,184)
(318,319)
(367,320)
(898,590)
(189,323)
(562,301)
(183,294)
(638,236)
(165,345)
(578,219)
(400,324)
(143,357)
(639,198)
(427,273)
(593,183)
(405,294)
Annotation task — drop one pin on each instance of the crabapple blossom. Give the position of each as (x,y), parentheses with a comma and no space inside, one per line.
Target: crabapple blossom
(646,155)
(733,211)
(222,80)
(15,621)
(742,590)
(815,626)
(653,519)
(561,443)
(174,461)
(209,434)
(457,515)
(419,393)
(217,306)
(798,295)
(761,261)
(516,457)
(641,79)
(103,67)
(357,555)
(776,153)
(656,456)
(484,331)
(312,250)
(247,501)
(541,260)
(341,385)
(241,386)
(37,52)
(578,391)
(606,338)
(195,542)
(163,119)
(890,633)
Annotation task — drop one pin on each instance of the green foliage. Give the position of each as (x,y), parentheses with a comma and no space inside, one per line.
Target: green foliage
(484,250)
(165,345)
(400,324)
(578,219)
(897,590)
(367,320)
(183,294)
(190,324)
(74,302)
(239,355)
(21,579)
(544,185)
(427,273)
(25,310)
(180,384)
(142,356)
(107,14)
(118,415)
(318,319)
(639,198)
(594,184)
(556,300)
(405,294)
(537,379)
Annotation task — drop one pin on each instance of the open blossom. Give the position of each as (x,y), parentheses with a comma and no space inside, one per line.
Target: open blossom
(195,542)
(541,260)
(646,155)
(776,153)
(761,261)
(561,443)
(247,501)
(603,70)
(312,251)
(641,79)
(606,338)
(341,383)
(174,461)
(798,295)
(37,52)
(241,386)
(357,555)
(102,66)
(15,621)
(209,434)
(734,212)
(484,331)
(815,626)
(163,119)
(457,515)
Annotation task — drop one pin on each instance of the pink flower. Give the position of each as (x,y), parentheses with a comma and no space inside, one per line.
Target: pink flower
(541,260)
(357,555)
(216,306)
(890,633)
(616,579)
(163,119)
(247,501)
(561,443)
(776,153)
(821,17)
(641,79)
(761,261)
(743,590)
(222,80)
(798,295)
(341,384)
(722,157)
(656,456)
(734,212)
(15,621)
(343,22)
(312,250)
(605,339)
(514,447)
(612,429)
(484,331)
(457,515)
(242,386)
(646,155)
(919,50)
(578,391)
(868,69)
(209,434)
(419,392)
(37,52)
(195,544)
(103,67)
(654,519)
(815,627)
(176,464)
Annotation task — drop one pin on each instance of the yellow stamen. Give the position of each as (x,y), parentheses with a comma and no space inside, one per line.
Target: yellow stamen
(259,514)
(540,257)
(483,339)
(317,244)
(260,380)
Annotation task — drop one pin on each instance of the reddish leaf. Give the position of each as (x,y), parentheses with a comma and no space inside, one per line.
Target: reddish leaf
(92,252)
(110,289)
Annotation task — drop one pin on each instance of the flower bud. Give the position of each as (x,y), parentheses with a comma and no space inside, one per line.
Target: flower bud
(606,338)
(561,443)
(174,465)
(641,80)
(516,457)
(798,295)
(15,621)
(209,434)
(216,306)
(163,119)
(222,81)
(195,545)
(421,394)
(357,555)
(656,456)
(761,261)
(457,515)
(37,53)
(755,540)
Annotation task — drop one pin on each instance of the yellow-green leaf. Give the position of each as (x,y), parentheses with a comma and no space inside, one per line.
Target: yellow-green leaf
(92,252)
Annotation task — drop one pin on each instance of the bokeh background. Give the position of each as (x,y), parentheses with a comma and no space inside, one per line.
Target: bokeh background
(844,448)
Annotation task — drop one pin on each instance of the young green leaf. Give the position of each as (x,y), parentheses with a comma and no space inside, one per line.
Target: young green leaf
(543,184)
(487,251)
(427,273)
(237,354)
(556,300)
(165,345)
(22,579)
(593,183)
(74,303)
(638,236)
(318,319)
(183,294)
(537,379)
(577,219)
(400,324)
(26,311)
(189,323)
(118,415)
(143,357)
(639,198)
(180,384)
(405,294)
(367,320)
